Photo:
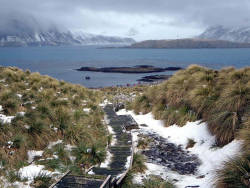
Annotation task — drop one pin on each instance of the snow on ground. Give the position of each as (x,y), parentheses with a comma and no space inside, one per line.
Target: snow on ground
(127,165)
(104,103)
(87,110)
(20,113)
(211,157)
(32,171)
(51,144)
(19,95)
(32,154)
(69,148)
(107,161)
(6,119)
(1,108)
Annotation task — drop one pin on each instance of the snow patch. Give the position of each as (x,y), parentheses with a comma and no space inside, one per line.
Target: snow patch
(104,103)
(211,157)
(32,154)
(6,119)
(107,161)
(19,95)
(32,171)
(21,113)
(87,110)
(51,144)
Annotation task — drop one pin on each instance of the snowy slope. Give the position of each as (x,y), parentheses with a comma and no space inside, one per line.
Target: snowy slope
(235,34)
(17,33)
(211,157)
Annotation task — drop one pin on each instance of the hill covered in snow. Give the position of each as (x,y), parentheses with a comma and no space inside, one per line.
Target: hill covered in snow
(234,34)
(19,33)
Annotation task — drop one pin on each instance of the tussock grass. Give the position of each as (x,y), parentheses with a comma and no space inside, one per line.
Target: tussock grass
(235,173)
(222,98)
(42,180)
(53,110)
(157,182)
(138,165)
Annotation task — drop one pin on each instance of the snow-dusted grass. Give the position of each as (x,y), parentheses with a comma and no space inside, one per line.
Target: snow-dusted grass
(51,144)
(6,119)
(32,154)
(39,110)
(107,161)
(32,171)
(87,110)
(211,157)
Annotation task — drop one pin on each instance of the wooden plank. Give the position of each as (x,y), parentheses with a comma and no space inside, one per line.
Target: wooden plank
(65,174)
(106,181)
(130,166)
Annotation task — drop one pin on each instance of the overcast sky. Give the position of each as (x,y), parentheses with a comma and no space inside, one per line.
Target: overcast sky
(140,19)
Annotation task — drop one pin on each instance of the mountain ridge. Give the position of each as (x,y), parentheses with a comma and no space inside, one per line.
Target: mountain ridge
(220,32)
(17,33)
(189,43)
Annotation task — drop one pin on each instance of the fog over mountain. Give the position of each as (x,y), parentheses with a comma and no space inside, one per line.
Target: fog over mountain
(30,33)
(140,19)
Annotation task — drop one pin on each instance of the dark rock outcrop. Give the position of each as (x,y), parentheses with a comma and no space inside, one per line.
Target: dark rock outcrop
(170,155)
(135,69)
(154,78)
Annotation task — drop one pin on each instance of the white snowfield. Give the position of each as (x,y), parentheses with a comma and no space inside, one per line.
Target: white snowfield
(32,171)
(6,119)
(211,157)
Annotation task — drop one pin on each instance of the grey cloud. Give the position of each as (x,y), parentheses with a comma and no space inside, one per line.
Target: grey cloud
(70,13)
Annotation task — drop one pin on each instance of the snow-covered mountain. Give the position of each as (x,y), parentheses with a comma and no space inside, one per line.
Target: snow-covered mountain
(18,33)
(234,34)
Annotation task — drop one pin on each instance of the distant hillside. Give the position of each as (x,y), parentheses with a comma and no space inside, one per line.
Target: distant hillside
(234,34)
(19,33)
(189,43)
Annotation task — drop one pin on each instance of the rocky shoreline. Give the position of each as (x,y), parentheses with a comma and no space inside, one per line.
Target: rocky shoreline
(154,78)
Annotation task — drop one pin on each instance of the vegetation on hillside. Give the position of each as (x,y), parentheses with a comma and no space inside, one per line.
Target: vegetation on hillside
(47,110)
(221,98)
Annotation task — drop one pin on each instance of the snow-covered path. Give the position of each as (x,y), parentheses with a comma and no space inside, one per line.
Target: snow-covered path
(211,157)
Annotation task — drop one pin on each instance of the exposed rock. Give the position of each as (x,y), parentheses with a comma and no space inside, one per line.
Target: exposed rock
(119,106)
(135,69)
(154,78)
(167,154)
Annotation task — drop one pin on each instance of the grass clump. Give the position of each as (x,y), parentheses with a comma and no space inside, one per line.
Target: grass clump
(138,165)
(235,173)
(222,98)
(42,180)
(157,182)
(51,110)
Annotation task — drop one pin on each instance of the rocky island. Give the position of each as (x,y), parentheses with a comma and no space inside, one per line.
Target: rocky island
(154,78)
(135,69)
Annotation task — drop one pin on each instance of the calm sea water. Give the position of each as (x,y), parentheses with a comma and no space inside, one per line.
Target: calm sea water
(60,62)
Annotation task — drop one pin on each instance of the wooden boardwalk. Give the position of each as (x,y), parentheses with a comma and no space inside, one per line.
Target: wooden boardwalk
(122,157)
